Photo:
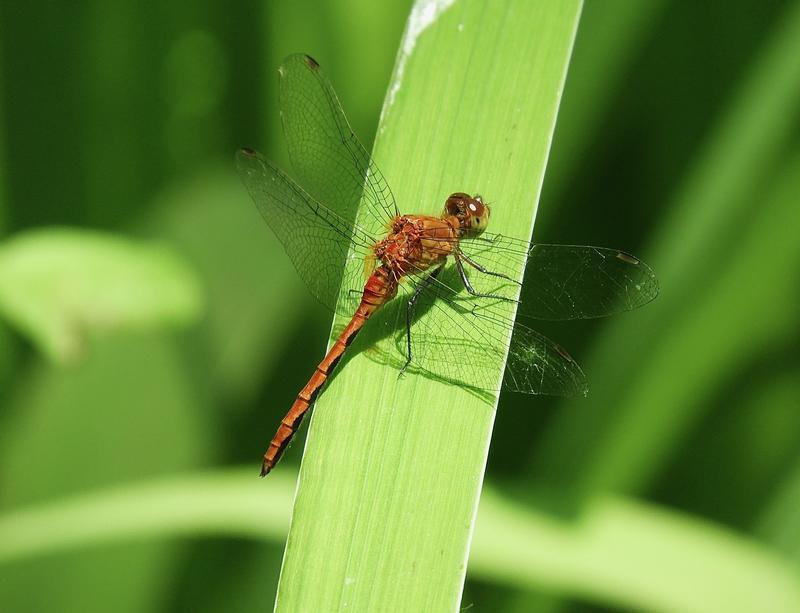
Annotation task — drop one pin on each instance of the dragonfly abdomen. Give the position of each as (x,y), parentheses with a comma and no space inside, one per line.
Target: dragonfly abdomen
(379,289)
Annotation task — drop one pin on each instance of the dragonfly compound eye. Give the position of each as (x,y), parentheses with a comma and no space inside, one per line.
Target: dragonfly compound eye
(477,215)
(456,204)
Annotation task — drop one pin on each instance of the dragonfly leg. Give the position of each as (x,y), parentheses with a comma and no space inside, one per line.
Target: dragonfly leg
(484,270)
(410,306)
(471,290)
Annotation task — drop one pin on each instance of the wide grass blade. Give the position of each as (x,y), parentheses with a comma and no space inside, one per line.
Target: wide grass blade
(393,468)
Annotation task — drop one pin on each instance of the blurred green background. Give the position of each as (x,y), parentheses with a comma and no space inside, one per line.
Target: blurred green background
(677,140)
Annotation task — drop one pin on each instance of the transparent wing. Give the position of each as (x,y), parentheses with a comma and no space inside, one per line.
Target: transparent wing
(326,155)
(562,281)
(461,340)
(580,282)
(537,365)
(316,239)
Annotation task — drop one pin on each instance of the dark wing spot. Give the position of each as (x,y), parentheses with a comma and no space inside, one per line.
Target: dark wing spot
(311,63)
(628,259)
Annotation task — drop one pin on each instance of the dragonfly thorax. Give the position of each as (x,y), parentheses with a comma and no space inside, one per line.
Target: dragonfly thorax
(471,211)
(417,242)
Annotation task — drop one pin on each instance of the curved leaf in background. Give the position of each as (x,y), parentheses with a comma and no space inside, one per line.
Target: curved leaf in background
(60,285)
(127,411)
(620,552)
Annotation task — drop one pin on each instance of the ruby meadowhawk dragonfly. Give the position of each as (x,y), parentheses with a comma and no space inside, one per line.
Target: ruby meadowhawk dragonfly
(453,285)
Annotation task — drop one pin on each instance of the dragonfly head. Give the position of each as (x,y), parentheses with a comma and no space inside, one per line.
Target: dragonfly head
(471,211)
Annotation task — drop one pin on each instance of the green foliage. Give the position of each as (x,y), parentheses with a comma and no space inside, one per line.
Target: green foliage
(676,140)
(723,213)
(60,285)
(620,552)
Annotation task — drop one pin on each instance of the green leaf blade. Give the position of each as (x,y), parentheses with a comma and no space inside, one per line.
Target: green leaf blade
(393,468)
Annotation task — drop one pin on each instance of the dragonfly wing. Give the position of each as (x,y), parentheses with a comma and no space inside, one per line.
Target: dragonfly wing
(562,282)
(317,240)
(579,282)
(537,365)
(461,340)
(326,155)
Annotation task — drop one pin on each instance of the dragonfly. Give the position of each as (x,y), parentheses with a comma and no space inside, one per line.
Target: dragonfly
(454,287)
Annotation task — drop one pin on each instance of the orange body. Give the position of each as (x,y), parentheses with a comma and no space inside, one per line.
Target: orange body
(414,244)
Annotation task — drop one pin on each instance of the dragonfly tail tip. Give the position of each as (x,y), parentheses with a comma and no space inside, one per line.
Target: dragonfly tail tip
(264,470)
